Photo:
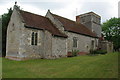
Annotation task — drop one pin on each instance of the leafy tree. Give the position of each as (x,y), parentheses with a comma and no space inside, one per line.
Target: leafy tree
(111,31)
(5,21)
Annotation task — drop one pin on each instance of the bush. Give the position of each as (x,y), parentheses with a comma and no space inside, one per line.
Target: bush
(98,51)
(75,52)
(69,54)
(102,51)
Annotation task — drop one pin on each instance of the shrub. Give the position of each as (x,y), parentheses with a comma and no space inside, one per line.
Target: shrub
(102,51)
(98,51)
(75,52)
(69,54)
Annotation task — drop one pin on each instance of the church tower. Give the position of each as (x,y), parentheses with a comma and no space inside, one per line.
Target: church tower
(92,21)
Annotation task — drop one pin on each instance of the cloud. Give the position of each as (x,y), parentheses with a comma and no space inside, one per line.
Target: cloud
(4,6)
(106,9)
(46,5)
(119,9)
(68,11)
(101,8)
(66,8)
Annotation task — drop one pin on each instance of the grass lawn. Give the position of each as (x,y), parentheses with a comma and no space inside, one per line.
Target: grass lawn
(0,67)
(101,66)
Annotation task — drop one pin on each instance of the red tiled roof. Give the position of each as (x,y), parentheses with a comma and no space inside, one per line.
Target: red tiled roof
(72,26)
(40,22)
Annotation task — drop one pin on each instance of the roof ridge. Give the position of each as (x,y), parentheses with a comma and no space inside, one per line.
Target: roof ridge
(78,24)
(64,17)
(89,13)
(68,19)
(33,13)
(56,27)
(40,22)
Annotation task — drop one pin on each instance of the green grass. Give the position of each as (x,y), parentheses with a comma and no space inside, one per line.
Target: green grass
(0,67)
(101,66)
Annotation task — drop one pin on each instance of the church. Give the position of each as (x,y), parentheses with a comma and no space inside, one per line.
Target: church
(32,36)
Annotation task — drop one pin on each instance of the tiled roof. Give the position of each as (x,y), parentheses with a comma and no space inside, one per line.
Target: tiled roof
(89,13)
(72,26)
(40,22)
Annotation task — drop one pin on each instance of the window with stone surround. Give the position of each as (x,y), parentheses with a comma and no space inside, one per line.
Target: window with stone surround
(75,42)
(34,38)
(92,44)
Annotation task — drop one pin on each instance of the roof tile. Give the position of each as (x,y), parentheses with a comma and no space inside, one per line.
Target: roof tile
(72,26)
(40,22)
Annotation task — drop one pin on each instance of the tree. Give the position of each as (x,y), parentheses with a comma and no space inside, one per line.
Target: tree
(5,21)
(111,31)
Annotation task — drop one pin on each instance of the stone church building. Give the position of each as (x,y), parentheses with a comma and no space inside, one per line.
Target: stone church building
(51,36)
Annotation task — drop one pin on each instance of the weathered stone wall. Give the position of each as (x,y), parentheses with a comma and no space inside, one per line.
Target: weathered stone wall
(59,47)
(19,40)
(105,45)
(13,35)
(91,21)
(31,51)
(48,45)
(109,47)
(84,42)
(97,29)
(55,21)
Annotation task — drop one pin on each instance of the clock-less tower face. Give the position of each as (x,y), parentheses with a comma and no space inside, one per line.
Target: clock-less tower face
(92,21)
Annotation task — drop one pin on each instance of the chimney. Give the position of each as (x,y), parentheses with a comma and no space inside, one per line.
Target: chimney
(77,19)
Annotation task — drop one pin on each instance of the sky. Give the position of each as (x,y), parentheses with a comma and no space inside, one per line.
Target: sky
(66,8)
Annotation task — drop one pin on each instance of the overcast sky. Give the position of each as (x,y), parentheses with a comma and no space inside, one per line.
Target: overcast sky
(66,8)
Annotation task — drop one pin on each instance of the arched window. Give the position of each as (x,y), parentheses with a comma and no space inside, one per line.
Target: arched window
(34,38)
(92,44)
(75,42)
